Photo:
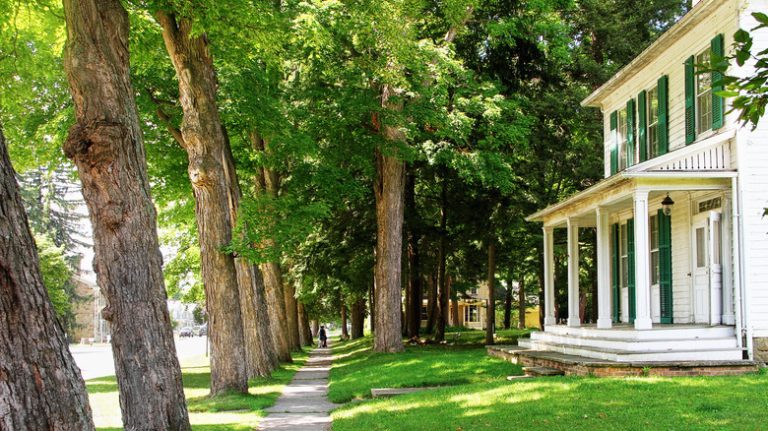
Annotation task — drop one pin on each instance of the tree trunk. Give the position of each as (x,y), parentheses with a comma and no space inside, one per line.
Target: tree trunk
(442,285)
(372,302)
(277,310)
(431,304)
(358,318)
(107,146)
(208,150)
(314,326)
(40,386)
(292,315)
(508,306)
(491,313)
(305,332)
(389,219)
(454,304)
(414,266)
(521,303)
(344,332)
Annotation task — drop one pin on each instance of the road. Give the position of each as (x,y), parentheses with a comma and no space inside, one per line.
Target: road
(96,361)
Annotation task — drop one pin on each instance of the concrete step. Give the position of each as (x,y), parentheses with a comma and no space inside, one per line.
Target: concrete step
(728,354)
(688,332)
(542,371)
(625,345)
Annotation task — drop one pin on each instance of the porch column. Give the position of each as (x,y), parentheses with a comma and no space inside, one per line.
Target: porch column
(573,273)
(549,277)
(603,270)
(642,265)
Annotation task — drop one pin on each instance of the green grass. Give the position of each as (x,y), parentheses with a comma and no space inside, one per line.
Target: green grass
(572,403)
(227,412)
(356,369)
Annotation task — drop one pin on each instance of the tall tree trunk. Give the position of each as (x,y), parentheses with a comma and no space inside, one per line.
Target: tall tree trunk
(314,326)
(442,285)
(491,313)
(107,146)
(454,303)
(388,189)
(358,318)
(208,152)
(431,303)
(372,302)
(40,385)
(273,278)
(508,305)
(521,303)
(305,332)
(414,266)
(292,315)
(344,332)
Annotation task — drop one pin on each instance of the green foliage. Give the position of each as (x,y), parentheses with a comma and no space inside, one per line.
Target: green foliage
(749,93)
(57,277)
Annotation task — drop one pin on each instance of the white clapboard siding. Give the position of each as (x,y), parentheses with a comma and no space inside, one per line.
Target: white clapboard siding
(681,259)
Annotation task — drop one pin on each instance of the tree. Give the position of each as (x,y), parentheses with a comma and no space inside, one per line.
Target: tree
(106,144)
(42,386)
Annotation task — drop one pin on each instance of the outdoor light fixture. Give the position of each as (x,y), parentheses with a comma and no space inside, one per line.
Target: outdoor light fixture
(666,205)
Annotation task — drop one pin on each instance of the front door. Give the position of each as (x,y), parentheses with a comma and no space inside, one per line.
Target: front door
(700,272)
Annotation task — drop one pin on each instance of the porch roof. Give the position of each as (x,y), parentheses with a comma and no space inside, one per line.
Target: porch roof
(618,188)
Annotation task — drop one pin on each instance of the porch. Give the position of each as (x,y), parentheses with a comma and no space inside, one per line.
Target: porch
(665,272)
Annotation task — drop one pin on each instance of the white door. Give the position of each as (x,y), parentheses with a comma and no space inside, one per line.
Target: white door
(714,248)
(701,294)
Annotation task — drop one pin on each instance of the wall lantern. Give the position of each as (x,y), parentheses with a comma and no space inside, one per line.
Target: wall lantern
(666,205)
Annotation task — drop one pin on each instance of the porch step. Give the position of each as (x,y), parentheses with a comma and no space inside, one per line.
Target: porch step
(633,345)
(542,371)
(687,332)
(706,354)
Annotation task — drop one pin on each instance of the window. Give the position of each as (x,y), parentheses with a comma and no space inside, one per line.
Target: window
(473,291)
(624,255)
(471,314)
(716,240)
(621,139)
(654,226)
(652,107)
(703,95)
(424,315)
(701,252)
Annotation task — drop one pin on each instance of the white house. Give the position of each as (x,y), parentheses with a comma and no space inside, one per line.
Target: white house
(682,242)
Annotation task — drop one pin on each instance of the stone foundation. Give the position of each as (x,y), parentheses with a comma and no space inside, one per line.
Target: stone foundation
(581,366)
(760,345)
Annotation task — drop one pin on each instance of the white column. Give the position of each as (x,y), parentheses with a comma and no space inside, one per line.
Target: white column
(726,260)
(549,277)
(573,273)
(642,265)
(603,270)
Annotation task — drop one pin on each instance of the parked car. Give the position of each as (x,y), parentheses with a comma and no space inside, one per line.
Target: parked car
(203,331)
(186,332)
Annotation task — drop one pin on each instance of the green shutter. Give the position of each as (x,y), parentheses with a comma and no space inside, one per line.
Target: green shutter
(690,97)
(665,266)
(718,105)
(614,144)
(631,269)
(615,272)
(630,132)
(663,125)
(642,126)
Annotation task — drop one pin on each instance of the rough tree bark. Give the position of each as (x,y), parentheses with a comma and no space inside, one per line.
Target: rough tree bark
(40,386)
(305,332)
(521,304)
(107,146)
(442,285)
(454,303)
(208,149)
(508,306)
(273,278)
(372,302)
(414,265)
(490,315)
(343,314)
(388,188)
(358,318)
(314,326)
(431,303)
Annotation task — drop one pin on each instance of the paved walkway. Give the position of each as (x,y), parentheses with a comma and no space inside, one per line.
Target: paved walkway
(304,405)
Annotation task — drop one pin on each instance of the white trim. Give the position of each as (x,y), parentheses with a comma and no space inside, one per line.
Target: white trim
(573,273)
(693,148)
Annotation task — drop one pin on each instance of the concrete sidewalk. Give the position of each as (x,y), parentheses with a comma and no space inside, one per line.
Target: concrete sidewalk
(304,405)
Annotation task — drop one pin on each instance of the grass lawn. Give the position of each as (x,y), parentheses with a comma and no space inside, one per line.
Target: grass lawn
(356,369)
(233,412)
(483,400)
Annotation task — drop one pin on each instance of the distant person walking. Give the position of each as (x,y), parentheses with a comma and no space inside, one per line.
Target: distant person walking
(323,337)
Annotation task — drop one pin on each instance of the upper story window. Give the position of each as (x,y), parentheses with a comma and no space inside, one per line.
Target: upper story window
(652,115)
(703,95)
(621,139)
(654,245)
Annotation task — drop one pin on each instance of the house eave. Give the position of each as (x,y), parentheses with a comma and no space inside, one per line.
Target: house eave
(699,12)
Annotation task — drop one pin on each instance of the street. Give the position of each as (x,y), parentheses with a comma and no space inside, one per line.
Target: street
(96,361)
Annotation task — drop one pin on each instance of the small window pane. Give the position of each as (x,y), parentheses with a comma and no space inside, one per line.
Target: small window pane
(703,95)
(716,239)
(653,122)
(701,252)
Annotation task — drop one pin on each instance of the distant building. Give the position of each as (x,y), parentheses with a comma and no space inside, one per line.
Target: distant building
(89,325)
(182,313)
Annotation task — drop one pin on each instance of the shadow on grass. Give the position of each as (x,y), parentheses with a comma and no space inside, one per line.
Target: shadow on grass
(231,402)
(217,427)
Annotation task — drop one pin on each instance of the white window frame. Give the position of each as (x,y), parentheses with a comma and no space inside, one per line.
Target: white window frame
(703,94)
(653,238)
(623,256)
(468,314)
(652,122)
(621,137)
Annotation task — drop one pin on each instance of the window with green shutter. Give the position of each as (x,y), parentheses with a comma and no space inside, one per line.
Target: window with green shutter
(630,139)
(615,273)
(665,266)
(631,269)
(642,125)
(690,95)
(662,111)
(718,104)
(614,144)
